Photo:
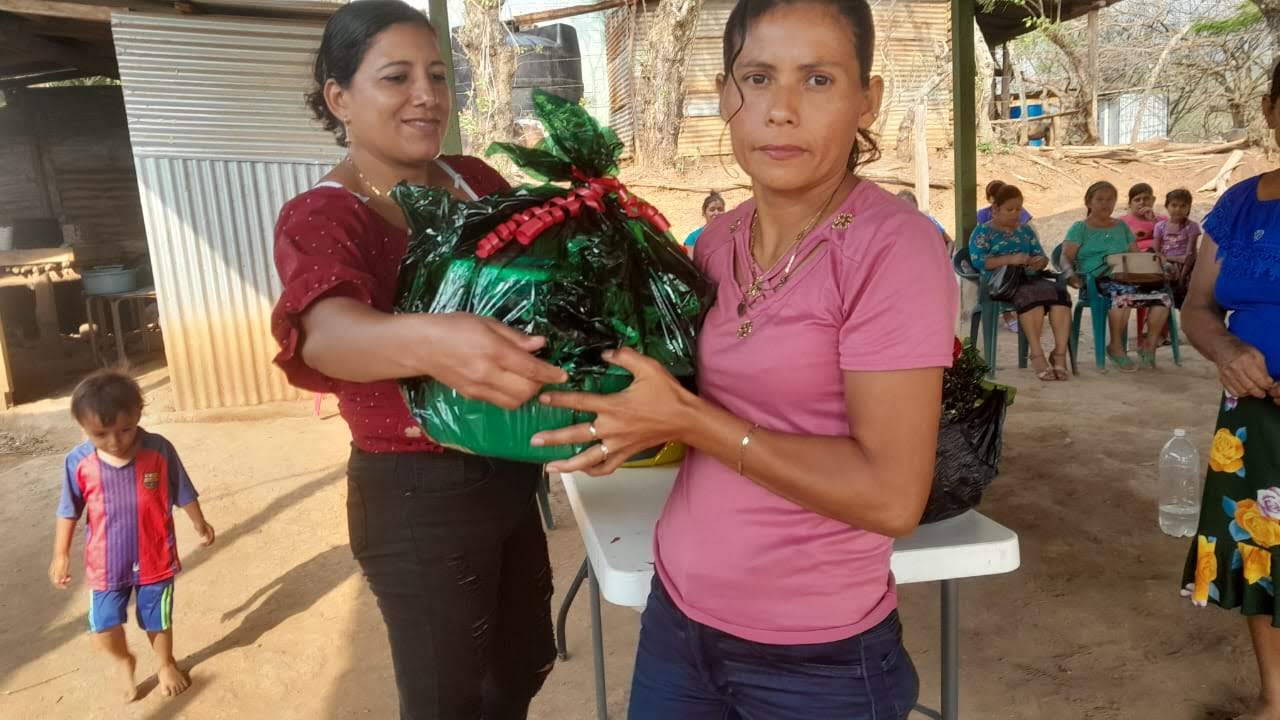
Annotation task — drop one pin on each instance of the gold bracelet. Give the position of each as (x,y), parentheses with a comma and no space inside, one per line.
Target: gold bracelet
(742,448)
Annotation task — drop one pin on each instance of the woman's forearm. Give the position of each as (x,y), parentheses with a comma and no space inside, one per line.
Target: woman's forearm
(1206,328)
(831,476)
(348,340)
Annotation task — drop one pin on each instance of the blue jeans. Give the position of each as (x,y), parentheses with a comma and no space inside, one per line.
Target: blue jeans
(688,671)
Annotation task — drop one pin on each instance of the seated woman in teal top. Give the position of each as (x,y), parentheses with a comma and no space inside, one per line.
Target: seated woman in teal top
(1006,241)
(712,207)
(1231,564)
(1088,244)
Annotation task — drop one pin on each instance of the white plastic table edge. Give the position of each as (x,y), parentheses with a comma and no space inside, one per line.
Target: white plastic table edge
(989,547)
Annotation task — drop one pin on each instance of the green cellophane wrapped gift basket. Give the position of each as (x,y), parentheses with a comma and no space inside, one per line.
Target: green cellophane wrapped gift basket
(577,259)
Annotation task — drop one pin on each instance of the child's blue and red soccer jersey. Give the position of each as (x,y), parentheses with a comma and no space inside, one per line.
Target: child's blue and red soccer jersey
(129,538)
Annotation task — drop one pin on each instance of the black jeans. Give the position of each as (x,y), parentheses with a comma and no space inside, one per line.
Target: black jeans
(453,548)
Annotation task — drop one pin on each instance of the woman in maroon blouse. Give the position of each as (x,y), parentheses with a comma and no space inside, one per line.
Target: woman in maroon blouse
(451,544)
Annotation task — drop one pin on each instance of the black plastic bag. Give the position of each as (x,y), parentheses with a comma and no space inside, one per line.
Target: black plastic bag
(968,458)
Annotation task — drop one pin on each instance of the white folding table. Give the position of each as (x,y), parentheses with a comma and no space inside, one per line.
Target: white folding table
(616,516)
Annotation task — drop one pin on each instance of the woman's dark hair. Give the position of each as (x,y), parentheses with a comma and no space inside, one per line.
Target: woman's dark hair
(993,187)
(1275,84)
(347,37)
(856,12)
(1094,189)
(1181,195)
(1005,194)
(712,197)
(105,395)
(1141,189)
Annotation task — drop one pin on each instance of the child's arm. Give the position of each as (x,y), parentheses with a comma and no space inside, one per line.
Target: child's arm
(60,567)
(185,496)
(203,528)
(70,506)
(1193,249)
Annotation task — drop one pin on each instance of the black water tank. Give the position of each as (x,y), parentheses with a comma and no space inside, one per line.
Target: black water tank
(549,59)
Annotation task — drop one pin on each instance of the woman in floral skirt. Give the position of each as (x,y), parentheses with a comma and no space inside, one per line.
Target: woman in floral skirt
(1238,271)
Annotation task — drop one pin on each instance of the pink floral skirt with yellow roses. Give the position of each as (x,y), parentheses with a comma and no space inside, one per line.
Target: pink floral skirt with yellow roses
(1230,563)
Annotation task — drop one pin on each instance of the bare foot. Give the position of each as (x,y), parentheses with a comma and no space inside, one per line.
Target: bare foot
(172,680)
(124,676)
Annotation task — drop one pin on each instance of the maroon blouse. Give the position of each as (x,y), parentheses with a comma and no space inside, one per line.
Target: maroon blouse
(328,243)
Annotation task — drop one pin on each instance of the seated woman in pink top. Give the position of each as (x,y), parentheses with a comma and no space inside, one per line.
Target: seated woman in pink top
(815,425)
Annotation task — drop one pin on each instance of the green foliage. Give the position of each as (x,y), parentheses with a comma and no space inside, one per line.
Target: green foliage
(963,383)
(1247,16)
(995,148)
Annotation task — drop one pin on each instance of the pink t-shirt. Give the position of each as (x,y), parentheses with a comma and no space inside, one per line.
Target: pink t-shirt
(878,296)
(1143,230)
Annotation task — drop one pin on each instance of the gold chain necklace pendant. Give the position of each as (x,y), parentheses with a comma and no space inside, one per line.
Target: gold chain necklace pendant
(377,191)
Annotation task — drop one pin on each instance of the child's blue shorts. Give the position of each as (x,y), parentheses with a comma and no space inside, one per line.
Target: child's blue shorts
(110,608)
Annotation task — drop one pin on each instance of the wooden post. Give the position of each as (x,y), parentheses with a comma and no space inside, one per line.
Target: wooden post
(1006,69)
(922,154)
(438,12)
(1023,132)
(6,370)
(1093,75)
(46,310)
(966,118)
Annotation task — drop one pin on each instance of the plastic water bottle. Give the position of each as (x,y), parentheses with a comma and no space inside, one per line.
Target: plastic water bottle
(1180,486)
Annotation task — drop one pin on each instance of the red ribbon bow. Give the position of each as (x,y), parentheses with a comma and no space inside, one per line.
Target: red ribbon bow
(526,226)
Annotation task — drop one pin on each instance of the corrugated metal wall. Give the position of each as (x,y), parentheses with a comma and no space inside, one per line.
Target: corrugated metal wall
(619,37)
(910,33)
(221,140)
(219,87)
(86,141)
(21,195)
(210,222)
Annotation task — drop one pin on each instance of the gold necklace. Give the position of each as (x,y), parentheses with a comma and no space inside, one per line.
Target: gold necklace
(756,288)
(376,190)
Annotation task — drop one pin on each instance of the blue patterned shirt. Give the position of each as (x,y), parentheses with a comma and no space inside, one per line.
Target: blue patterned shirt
(990,241)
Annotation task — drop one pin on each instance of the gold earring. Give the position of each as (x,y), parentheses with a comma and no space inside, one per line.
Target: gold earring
(346,129)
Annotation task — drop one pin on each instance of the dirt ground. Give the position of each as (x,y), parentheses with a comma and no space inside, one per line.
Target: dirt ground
(274,620)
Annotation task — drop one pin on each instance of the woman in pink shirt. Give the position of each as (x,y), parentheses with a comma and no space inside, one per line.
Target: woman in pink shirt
(814,429)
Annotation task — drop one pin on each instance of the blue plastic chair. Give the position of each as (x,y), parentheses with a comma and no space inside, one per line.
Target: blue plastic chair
(986,315)
(1099,305)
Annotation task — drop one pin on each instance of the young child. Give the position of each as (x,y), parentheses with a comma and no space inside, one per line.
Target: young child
(1142,217)
(128,481)
(915,203)
(1177,239)
(712,207)
(987,213)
